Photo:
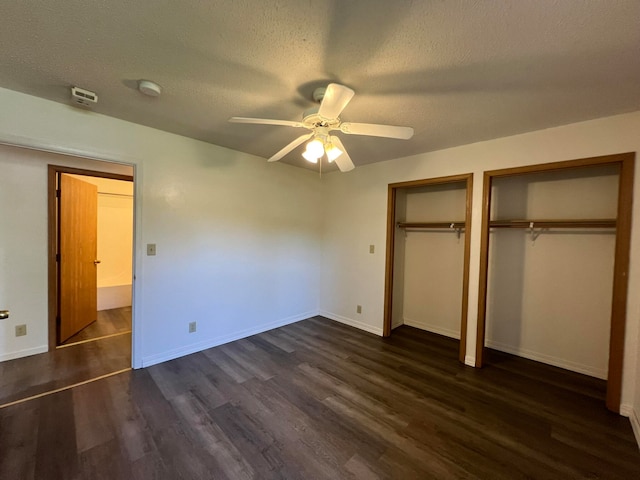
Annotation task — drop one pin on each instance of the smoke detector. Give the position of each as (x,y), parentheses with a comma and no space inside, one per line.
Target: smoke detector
(83,97)
(149,88)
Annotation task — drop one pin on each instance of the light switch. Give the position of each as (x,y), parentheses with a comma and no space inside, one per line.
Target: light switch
(151,249)
(372,249)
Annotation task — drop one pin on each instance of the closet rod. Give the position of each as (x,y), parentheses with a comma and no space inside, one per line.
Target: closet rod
(452,225)
(599,223)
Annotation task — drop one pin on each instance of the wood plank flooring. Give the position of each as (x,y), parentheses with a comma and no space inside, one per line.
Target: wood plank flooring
(109,322)
(75,363)
(320,400)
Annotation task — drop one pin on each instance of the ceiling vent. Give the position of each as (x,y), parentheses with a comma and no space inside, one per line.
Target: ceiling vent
(82,97)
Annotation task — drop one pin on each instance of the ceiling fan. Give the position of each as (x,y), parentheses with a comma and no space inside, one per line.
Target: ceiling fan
(324,119)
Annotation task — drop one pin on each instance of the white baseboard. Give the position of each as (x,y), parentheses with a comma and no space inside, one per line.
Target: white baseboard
(116,296)
(352,323)
(23,353)
(629,411)
(447,332)
(470,360)
(214,342)
(548,359)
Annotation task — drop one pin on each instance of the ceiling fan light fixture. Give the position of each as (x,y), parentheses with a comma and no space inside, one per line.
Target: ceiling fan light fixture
(332,152)
(310,157)
(315,148)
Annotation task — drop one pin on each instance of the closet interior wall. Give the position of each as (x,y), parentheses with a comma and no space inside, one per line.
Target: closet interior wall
(549,291)
(429,262)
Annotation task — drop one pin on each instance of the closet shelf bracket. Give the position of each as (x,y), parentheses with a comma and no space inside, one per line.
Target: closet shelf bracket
(534,234)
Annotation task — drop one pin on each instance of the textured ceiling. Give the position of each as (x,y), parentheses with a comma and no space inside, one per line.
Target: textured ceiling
(456,71)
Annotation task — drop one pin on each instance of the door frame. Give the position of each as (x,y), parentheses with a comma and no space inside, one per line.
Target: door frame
(53,275)
(621,260)
(466,178)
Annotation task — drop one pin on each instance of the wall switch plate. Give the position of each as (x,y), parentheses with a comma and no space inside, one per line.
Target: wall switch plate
(372,249)
(151,249)
(21,330)
(359,309)
(192,327)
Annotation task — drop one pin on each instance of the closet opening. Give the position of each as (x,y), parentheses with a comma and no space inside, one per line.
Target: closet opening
(553,265)
(427,257)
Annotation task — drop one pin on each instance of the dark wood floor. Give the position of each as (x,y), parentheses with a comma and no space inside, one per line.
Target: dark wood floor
(62,367)
(109,322)
(319,400)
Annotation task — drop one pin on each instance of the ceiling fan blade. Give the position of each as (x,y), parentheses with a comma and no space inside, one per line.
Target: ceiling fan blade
(298,141)
(344,161)
(373,130)
(336,97)
(265,121)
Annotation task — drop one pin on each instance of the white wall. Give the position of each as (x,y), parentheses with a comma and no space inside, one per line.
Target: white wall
(549,299)
(115,241)
(355,216)
(238,239)
(433,259)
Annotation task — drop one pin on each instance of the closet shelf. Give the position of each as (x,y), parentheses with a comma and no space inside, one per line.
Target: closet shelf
(587,223)
(451,225)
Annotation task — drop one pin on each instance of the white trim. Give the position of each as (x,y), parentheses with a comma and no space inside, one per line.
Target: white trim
(23,353)
(628,411)
(352,323)
(550,360)
(470,360)
(447,332)
(32,143)
(214,342)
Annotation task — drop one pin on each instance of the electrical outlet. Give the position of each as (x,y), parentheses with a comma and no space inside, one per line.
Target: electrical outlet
(359,309)
(372,249)
(192,327)
(21,330)
(151,249)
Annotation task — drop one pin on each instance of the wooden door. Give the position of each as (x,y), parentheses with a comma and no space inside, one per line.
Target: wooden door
(78,248)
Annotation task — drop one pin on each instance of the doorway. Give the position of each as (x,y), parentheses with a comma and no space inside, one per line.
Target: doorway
(90,217)
(431,287)
(577,222)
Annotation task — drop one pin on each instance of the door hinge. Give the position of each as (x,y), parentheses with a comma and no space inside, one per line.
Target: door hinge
(58,320)
(57,257)
(58,193)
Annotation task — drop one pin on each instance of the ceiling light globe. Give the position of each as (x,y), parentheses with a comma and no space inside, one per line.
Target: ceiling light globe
(315,148)
(333,152)
(310,157)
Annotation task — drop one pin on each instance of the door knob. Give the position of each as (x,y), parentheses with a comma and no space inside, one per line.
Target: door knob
(96,262)
(4,314)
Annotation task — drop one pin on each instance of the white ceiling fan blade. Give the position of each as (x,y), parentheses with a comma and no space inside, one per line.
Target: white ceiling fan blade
(336,97)
(265,121)
(344,161)
(290,147)
(373,130)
